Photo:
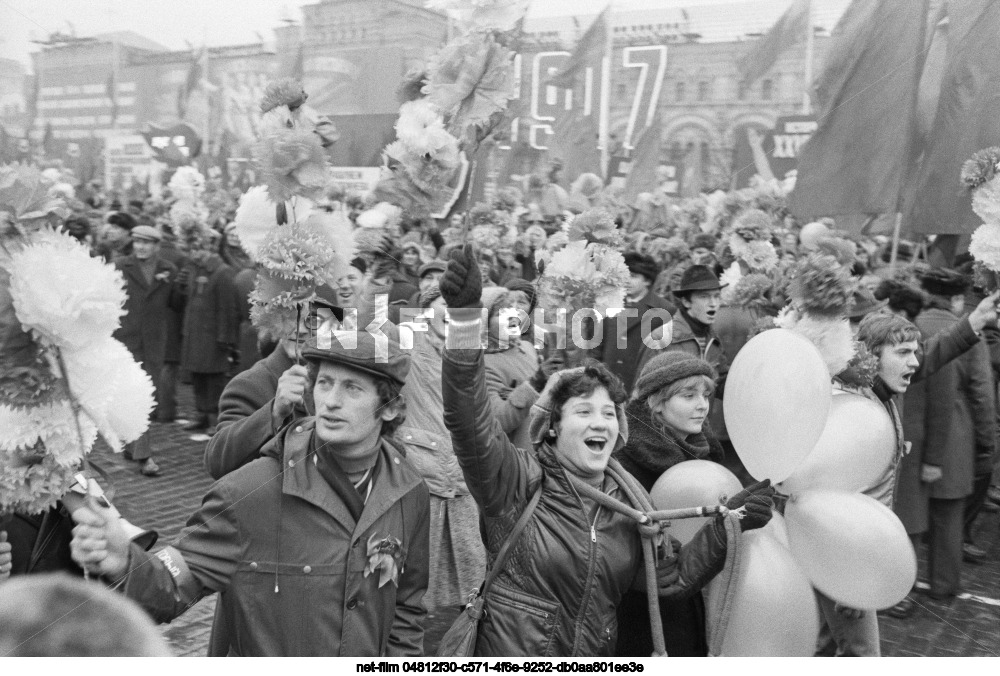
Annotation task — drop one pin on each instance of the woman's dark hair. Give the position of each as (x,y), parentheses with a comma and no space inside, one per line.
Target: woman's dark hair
(583,384)
(389,393)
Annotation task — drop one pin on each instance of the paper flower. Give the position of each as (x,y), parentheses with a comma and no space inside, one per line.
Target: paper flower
(32,481)
(24,193)
(981,167)
(985,245)
(285,92)
(986,200)
(421,129)
(112,390)
(486,15)
(187,184)
(385,556)
(469,80)
(594,225)
(752,291)
(51,424)
(831,335)
(582,275)
(753,225)
(821,286)
(62,295)
(292,162)
(255,217)
(729,279)
(757,254)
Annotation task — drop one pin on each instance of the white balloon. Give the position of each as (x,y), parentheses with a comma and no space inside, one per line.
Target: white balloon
(693,483)
(773,611)
(776,402)
(856,448)
(852,547)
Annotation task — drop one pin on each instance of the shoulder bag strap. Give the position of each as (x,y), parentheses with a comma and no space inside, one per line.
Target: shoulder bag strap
(522,521)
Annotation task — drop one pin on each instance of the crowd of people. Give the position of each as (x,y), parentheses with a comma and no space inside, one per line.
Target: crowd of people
(356,493)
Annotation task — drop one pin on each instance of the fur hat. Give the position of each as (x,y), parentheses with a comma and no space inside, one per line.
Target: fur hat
(639,264)
(704,241)
(944,282)
(667,368)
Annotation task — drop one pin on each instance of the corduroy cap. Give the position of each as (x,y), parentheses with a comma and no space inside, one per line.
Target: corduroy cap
(361,350)
(667,368)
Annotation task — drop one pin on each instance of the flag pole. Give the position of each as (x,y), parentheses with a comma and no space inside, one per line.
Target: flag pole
(604,123)
(895,243)
(810,48)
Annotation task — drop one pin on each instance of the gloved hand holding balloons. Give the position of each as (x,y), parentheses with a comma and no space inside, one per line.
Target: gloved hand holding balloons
(757,500)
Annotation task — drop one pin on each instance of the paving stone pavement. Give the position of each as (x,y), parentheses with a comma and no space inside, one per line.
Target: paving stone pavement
(965,627)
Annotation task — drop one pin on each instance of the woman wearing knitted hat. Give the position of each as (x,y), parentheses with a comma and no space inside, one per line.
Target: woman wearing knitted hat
(667,425)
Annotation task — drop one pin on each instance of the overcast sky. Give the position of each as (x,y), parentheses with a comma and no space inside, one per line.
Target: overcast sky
(212,22)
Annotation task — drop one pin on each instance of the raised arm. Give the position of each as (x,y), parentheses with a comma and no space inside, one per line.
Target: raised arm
(497,473)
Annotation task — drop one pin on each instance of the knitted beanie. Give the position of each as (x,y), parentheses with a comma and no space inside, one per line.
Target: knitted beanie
(667,368)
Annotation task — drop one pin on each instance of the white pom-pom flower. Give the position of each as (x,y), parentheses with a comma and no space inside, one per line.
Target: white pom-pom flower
(187,184)
(831,336)
(51,424)
(256,217)
(112,390)
(986,200)
(62,295)
(729,279)
(985,245)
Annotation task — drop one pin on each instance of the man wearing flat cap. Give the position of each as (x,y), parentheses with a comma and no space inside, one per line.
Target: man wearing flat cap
(149,283)
(320,546)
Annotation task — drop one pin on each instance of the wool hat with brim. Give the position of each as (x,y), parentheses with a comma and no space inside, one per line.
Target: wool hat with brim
(666,369)
(362,350)
(699,278)
(638,264)
(147,232)
(435,265)
(944,282)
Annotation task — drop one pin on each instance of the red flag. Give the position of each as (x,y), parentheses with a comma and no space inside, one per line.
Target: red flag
(856,161)
(788,31)
(575,133)
(643,161)
(964,122)
(588,53)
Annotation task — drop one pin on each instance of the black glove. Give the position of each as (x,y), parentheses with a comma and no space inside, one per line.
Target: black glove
(545,371)
(667,566)
(462,285)
(758,500)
